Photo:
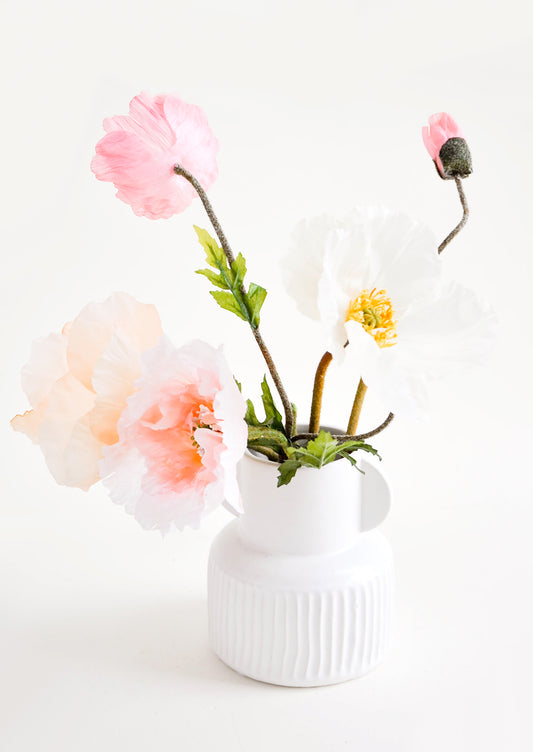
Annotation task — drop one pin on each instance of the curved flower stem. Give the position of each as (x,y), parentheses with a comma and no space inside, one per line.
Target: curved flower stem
(318,388)
(356,408)
(346,436)
(463,221)
(287,407)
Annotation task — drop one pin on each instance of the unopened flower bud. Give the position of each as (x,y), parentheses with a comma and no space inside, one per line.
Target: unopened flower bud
(447,147)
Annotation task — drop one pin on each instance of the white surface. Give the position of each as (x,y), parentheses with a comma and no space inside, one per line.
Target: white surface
(103,633)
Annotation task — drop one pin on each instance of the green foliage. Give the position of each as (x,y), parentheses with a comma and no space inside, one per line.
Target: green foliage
(318,452)
(267,436)
(231,295)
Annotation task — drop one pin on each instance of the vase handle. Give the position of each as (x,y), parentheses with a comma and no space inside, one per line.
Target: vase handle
(227,506)
(377,497)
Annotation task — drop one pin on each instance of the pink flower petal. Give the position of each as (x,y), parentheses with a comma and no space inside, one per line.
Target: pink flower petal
(186,422)
(139,152)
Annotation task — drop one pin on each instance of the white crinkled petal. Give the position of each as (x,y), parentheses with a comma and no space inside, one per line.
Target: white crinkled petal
(450,332)
(47,364)
(92,329)
(113,380)
(230,408)
(403,258)
(69,447)
(122,471)
(302,266)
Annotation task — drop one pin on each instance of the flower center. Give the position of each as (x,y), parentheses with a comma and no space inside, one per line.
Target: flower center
(373,310)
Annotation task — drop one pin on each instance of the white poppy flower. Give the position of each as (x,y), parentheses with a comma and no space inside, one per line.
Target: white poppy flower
(374,280)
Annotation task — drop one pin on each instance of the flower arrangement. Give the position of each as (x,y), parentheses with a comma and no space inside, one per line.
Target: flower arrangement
(164,427)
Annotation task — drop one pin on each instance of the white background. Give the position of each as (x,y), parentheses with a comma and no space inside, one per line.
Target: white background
(318,106)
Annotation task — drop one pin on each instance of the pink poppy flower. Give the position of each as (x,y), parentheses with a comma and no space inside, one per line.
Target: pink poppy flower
(180,438)
(77,383)
(139,151)
(447,147)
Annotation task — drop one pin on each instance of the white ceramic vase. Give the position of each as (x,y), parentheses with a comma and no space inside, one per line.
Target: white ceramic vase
(300,587)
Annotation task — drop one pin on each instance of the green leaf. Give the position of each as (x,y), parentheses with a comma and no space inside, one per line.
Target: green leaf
(351,460)
(267,437)
(255,298)
(323,448)
(268,452)
(210,246)
(352,446)
(231,278)
(319,452)
(287,471)
(272,415)
(227,301)
(214,278)
(250,416)
(238,269)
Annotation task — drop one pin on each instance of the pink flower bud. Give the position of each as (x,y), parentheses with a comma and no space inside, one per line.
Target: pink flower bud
(447,147)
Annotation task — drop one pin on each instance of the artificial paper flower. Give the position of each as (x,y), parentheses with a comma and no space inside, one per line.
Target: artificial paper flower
(139,151)
(447,147)
(373,280)
(77,383)
(180,438)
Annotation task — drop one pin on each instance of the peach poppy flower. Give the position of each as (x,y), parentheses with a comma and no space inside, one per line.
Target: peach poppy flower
(77,383)
(139,151)
(180,438)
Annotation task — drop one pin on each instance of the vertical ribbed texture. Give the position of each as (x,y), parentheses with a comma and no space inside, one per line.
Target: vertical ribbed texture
(300,638)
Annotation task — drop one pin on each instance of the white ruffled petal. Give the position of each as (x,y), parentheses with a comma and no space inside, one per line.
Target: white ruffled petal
(113,380)
(69,447)
(92,329)
(47,364)
(453,331)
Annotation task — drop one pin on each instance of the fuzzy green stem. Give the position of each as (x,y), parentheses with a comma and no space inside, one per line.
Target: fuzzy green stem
(356,408)
(464,219)
(318,388)
(287,407)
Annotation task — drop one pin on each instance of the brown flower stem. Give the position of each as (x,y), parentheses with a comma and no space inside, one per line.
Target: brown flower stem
(356,408)
(318,388)
(463,221)
(346,436)
(287,407)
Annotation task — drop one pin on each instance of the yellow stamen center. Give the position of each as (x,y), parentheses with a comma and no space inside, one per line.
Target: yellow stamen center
(373,310)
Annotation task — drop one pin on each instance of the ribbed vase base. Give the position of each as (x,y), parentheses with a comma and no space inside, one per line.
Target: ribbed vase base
(300,621)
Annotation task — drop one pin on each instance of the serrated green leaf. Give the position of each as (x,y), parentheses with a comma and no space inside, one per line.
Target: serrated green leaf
(238,269)
(227,301)
(213,252)
(272,415)
(255,298)
(287,471)
(250,416)
(322,446)
(214,278)
(352,446)
(350,459)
